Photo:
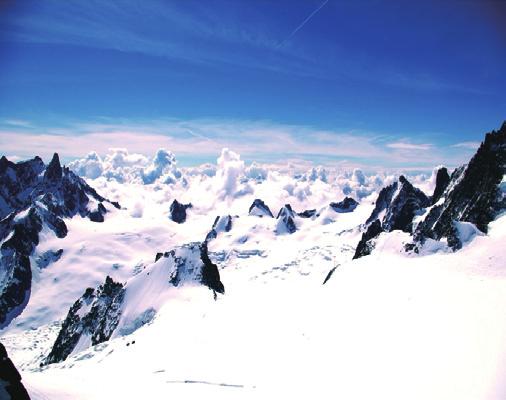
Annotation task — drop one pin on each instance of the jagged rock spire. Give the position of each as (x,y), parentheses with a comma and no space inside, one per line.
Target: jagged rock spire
(442,181)
(54,170)
(474,196)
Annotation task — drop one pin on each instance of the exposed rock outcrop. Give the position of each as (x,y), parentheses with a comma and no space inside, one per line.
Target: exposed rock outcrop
(475,194)
(344,206)
(286,222)
(259,209)
(395,208)
(366,244)
(397,204)
(221,224)
(442,181)
(92,319)
(48,257)
(11,387)
(33,196)
(178,211)
(308,213)
(99,312)
(56,188)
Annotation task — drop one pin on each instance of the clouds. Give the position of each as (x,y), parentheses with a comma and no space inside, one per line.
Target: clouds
(89,167)
(467,145)
(230,168)
(176,31)
(201,140)
(122,166)
(409,146)
(163,165)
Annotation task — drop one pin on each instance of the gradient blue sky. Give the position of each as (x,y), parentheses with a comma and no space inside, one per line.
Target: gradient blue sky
(365,82)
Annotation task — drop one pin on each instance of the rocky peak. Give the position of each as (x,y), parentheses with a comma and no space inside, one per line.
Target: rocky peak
(221,224)
(346,205)
(53,171)
(382,202)
(191,263)
(98,313)
(94,315)
(178,211)
(396,206)
(442,181)
(474,193)
(286,223)
(406,202)
(33,196)
(259,208)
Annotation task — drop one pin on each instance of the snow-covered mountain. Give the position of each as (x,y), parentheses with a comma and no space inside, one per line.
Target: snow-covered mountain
(99,313)
(136,306)
(461,206)
(36,198)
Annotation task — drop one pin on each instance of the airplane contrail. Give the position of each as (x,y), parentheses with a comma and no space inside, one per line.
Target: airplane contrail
(301,25)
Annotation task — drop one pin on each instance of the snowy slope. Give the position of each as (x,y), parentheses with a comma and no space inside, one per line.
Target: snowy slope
(384,326)
(391,324)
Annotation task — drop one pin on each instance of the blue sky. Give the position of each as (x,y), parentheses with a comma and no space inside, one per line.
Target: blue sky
(366,82)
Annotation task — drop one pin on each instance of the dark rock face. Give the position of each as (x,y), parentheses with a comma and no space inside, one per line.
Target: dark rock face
(192,263)
(308,213)
(396,206)
(33,196)
(48,257)
(474,193)
(96,314)
(382,202)
(366,245)
(58,189)
(15,265)
(286,221)
(347,205)
(442,181)
(399,203)
(221,224)
(178,211)
(18,181)
(53,172)
(16,285)
(10,379)
(259,209)
(210,272)
(329,275)
(98,215)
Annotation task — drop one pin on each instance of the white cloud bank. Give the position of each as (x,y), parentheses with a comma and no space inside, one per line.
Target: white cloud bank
(122,166)
(262,141)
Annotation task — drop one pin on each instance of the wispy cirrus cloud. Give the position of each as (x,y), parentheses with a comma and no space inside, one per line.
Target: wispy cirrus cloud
(17,123)
(467,145)
(410,146)
(207,35)
(199,140)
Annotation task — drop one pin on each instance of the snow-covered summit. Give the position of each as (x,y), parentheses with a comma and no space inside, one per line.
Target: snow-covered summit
(259,209)
(119,309)
(33,197)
